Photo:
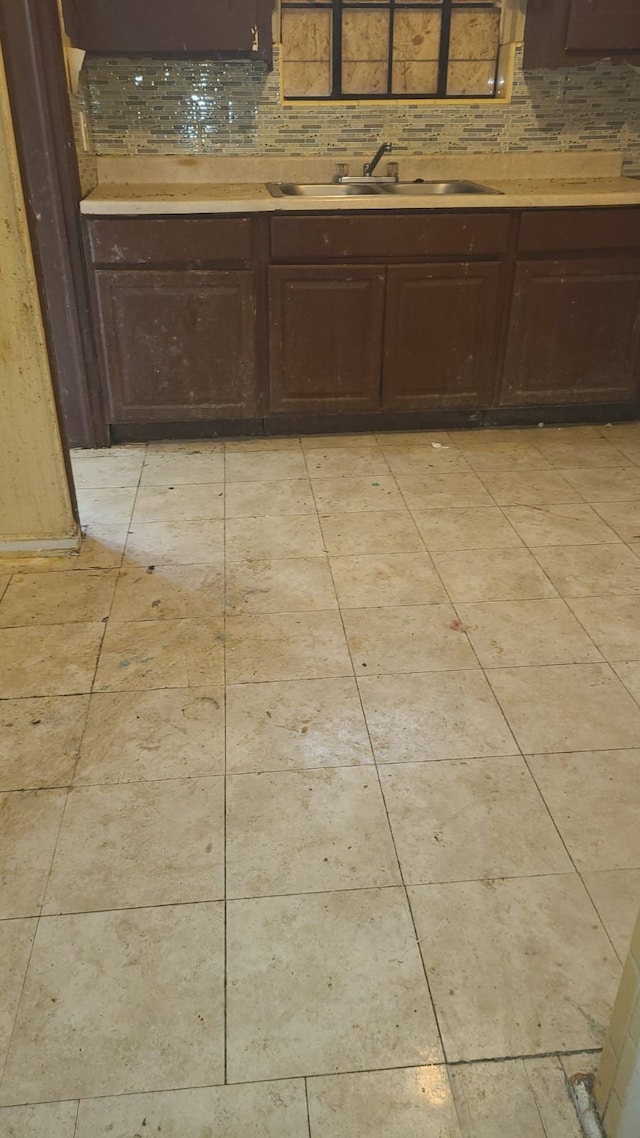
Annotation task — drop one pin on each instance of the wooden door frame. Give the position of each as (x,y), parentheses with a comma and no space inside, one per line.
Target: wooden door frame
(36,77)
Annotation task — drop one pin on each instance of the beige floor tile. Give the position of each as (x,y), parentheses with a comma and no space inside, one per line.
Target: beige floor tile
(311,831)
(414,438)
(179,468)
(570,454)
(114,1002)
(620,484)
(121,449)
(265,466)
(269,499)
(612,622)
(589,571)
(186,446)
(623,517)
(569,707)
(450,715)
(294,584)
(375,579)
(507,634)
(551,436)
(323,442)
(533,973)
(414,1102)
(350,534)
(455,821)
(273,537)
(629,673)
(594,797)
(485,460)
(616,895)
(145,843)
(259,443)
(439,491)
(571,523)
(57,598)
(29,824)
(46,564)
(473,441)
(48,1120)
(294,725)
(528,1098)
(102,546)
(49,660)
(256,1110)
(16,938)
(422,460)
(184,543)
(139,735)
(286,646)
(39,741)
(141,654)
(179,503)
(341,462)
(103,472)
(4,583)
(106,507)
(529,488)
(411,638)
(170,592)
(357,495)
(476,527)
(492,575)
(325,983)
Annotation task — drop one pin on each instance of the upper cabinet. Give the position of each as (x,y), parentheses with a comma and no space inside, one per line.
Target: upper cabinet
(223,28)
(565,33)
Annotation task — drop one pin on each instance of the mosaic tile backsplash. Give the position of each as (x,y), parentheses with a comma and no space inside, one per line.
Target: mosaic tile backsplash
(180,106)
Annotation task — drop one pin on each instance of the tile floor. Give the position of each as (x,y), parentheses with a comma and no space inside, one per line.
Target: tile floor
(319,788)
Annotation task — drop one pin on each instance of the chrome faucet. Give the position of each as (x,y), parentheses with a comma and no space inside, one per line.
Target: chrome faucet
(369,167)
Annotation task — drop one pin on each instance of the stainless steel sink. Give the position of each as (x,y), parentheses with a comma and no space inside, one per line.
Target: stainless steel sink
(314,190)
(422,189)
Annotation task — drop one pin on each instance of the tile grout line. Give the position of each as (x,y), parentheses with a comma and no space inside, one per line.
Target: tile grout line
(306,1099)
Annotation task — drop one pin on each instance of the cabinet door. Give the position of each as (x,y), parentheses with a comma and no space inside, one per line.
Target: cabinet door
(574,333)
(177,345)
(326,337)
(604,25)
(441,335)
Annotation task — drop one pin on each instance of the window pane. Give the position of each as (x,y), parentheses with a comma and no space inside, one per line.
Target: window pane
(306,36)
(415,77)
(416,35)
(365,35)
(312,80)
(472,78)
(365,78)
(475,35)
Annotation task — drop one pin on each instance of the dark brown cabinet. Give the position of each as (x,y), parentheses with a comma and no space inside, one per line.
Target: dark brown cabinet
(212,27)
(441,336)
(325,337)
(175,303)
(562,33)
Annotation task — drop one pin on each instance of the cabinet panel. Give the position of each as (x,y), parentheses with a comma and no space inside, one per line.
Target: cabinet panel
(177,345)
(578,230)
(403,236)
(169,241)
(441,335)
(574,334)
(326,337)
(596,25)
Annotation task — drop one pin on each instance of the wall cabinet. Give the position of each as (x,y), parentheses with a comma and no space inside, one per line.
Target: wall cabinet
(212,27)
(564,33)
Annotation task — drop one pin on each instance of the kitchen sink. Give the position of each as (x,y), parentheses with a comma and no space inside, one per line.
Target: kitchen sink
(363,189)
(315,190)
(421,189)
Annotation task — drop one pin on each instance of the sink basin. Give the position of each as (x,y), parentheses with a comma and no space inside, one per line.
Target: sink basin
(421,189)
(314,190)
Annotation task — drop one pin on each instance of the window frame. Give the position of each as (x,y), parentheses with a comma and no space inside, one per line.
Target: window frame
(440,95)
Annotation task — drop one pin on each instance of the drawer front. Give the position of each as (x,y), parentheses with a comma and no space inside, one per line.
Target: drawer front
(573,230)
(169,241)
(378,235)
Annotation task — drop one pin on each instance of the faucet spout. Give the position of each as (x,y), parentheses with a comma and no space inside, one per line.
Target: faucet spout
(369,167)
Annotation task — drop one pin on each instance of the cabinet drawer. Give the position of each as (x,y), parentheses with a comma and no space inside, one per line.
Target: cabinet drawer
(559,231)
(169,241)
(378,235)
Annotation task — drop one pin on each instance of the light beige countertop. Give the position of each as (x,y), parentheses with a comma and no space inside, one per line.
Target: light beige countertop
(148,186)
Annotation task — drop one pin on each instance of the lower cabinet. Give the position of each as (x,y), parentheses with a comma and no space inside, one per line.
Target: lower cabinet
(177,344)
(325,327)
(574,332)
(442,330)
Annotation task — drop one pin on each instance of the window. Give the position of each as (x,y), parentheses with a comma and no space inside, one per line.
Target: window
(390,49)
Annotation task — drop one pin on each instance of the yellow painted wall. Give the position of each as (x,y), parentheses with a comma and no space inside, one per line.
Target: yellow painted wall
(35,505)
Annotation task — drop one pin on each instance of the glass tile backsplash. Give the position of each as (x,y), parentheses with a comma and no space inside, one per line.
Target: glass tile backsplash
(182,106)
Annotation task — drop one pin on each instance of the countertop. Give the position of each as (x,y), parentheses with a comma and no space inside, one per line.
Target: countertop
(149,198)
